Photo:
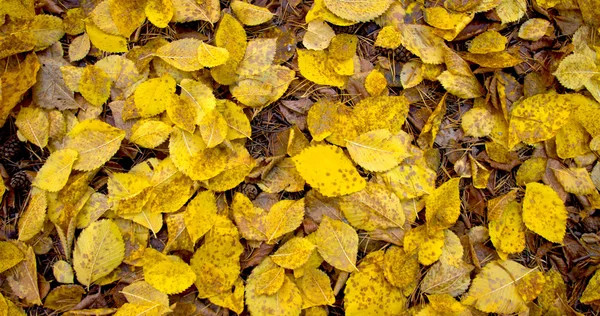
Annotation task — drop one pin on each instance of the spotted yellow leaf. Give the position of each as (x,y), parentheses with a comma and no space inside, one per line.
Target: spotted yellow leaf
(544,212)
(294,253)
(95,141)
(358,11)
(250,14)
(153,96)
(55,172)
(168,274)
(337,243)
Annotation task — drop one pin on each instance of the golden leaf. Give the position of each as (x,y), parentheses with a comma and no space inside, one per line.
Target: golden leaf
(237,121)
(64,297)
(358,11)
(283,217)
(16,79)
(79,48)
(315,288)
(149,133)
(211,56)
(494,60)
(168,274)
(511,10)
(544,212)
(466,87)
(477,122)
(63,272)
(369,285)
(250,220)
(250,14)
(231,36)
(337,243)
(429,244)
(216,263)
(233,300)
(94,85)
(575,180)
(494,289)
(575,71)
(318,35)
(443,206)
(531,170)
(123,186)
(315,67)
(153,96)
(533,29)
(409,181)
(444,278)
(95,141)
(592,290)
(239,165)
(55,172)
(181,54)
(334,175)
(213,128)
(33,123)
(294,253)
(379,150)
(320,11)
(389,37)
(432,126)
(127,15)
(286,301)
(142,293)
(190,10)
(375,207)
(200,214)
(98,251)
(106,42)
(375,83)
(572,140)
(488,42)
(411,74)
(401,269)
(9,256)
(539,117)
(421,41)
(159,12)
(507,231)
(553,298)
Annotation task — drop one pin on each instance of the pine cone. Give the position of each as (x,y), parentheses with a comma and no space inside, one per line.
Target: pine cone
(19,180)
(350,29)
(11,148)
(399,54)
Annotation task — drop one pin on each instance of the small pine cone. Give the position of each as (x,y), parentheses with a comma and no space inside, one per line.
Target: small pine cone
(402,54)
(19,180)
(11,148)
(351,29)
(250,190)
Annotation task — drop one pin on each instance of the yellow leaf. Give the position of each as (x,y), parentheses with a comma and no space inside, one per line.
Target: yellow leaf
(127,15)
(200,214)
(199,96)
(9,256)
(575,71)
(63,272)
(315,67)
(239,165)
(32,220)
(18,9)
(33,123)
(494,289)
(409,181)
(429,245)
(375,83)
(544,212)
(94,85)
(18,76)
(432,126)
(382,112)
(152,221)
(318,35)
(539,117)
(233,300)
(265,88)
(237,121)
(488,42)
(379,150)
(375,207)
(531,170)
(73,21)
(159,12)
(553,298)
(494,60)
(271,278)
(98,251)
(337,243)
(315,288)
(213,128)
(480,174)
(172,189)
(107,42)
(294,253)
(368,292)
(286,301)
(466,87)
(511,10)
(55,172)
(283,177)
(249,219)
(178,237)
(533,29)
(358,11)
(507,231)
(443,206)
(79,48)
(320,11)
(181,54)
(168,274)
(575,180)
(591,293)
(149,133)
(283,217)
(401,269)
(477,122)
(259,56)
(95,141)
(421,41)
(123,186)
(411,74)
(182,113)
(444,278)
(189,10)
(190,155)
(23,278)
(250,14)
(334,175)
(153,96)
(231,36)
(531,285)
(217,261)
(440,18)
(389,37)
(572,140)
(142,293)
(211,56)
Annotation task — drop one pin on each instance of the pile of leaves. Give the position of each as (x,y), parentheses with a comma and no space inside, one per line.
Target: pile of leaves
(326,157)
